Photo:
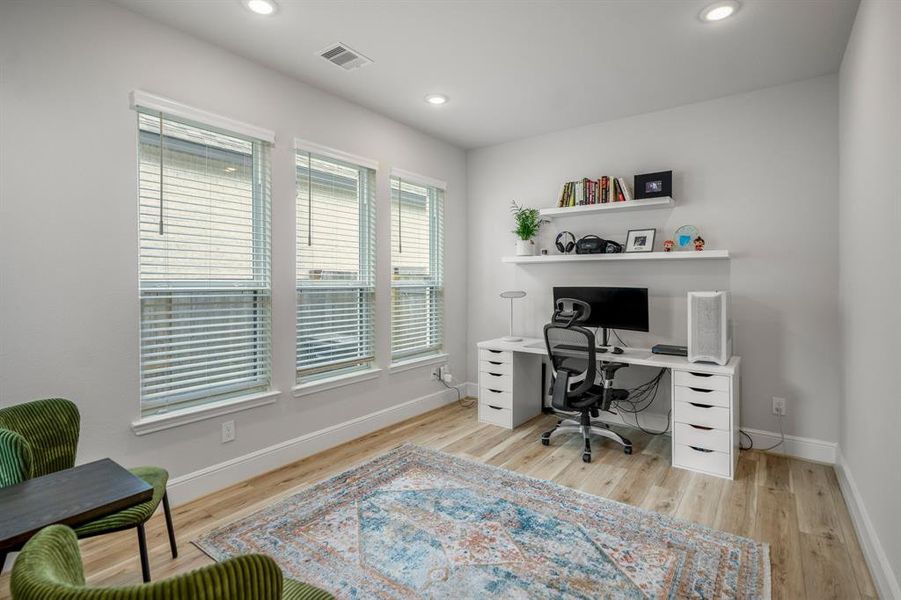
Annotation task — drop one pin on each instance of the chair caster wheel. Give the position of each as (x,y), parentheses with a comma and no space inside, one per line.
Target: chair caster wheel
(627,449)
(545,441)
(586,457)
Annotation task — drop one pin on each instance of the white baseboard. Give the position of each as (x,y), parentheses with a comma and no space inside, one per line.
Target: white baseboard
(215,477)
(795,446)
(880,568)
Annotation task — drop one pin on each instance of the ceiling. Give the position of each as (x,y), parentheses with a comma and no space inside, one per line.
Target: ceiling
(516,69)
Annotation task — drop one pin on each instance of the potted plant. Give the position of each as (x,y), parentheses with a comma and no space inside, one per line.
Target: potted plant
(528,222)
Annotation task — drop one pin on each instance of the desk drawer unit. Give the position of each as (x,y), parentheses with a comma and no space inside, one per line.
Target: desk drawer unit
(699,396)
(500,368)
(495,398)
(705,422)
(696,458)
(495,356)
(509,387)
(703,437)
(502,417)
(502,383)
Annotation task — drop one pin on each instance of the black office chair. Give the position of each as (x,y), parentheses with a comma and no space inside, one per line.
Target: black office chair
(571,349)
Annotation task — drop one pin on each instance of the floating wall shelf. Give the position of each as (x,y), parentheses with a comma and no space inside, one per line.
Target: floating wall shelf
(571,211)
(666,256)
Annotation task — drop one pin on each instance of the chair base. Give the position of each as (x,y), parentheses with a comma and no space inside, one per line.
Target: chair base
(587,428)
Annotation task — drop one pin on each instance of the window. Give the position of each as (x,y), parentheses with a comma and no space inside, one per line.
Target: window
(417,271)
(204,263)
(335,266)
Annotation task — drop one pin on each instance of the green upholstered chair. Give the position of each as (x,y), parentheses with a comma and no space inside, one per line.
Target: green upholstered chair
(49,568)
(41,437)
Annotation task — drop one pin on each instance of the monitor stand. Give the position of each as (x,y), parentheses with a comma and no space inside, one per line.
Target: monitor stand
(605,343)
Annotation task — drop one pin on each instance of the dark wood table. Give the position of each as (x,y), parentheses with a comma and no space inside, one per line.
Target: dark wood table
(71,497)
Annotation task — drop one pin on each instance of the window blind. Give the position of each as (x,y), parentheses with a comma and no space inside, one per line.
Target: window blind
(335,266)
(417,283)
(204,263)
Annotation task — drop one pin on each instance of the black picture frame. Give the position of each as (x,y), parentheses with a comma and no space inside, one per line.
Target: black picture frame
(637,244)
(653,185)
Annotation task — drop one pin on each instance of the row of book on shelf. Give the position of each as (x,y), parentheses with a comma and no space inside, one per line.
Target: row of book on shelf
(594,191)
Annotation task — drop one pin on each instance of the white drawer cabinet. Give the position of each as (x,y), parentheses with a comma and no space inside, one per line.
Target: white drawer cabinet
(509,387)
(705,422)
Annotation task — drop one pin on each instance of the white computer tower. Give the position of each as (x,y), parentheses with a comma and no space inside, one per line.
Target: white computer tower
(709,327)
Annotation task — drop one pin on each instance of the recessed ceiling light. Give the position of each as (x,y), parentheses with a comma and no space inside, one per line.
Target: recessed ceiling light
(261,7)
(719,11)
(436,99)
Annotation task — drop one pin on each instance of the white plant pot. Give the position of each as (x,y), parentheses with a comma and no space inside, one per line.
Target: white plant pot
(525,247)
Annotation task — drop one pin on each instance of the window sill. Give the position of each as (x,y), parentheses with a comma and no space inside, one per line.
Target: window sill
(320,385)
(178,418)
(415,363)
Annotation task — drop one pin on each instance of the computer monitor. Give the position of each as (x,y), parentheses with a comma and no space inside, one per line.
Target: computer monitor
(611,307)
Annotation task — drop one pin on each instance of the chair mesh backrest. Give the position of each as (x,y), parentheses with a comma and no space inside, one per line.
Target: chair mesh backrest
(572,348)
(51,429)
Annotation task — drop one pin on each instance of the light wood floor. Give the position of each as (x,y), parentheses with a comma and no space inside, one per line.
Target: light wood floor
(796,506)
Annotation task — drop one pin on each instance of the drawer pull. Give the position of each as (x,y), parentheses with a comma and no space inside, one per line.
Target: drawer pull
(699,390)
(495,374)
(495,392)
(696,449)
(495,407)
(701,427)
(701,374)
(494,362)
(697,405)
(494,351)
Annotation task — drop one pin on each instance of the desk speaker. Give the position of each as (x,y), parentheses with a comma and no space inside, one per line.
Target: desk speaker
(709,328)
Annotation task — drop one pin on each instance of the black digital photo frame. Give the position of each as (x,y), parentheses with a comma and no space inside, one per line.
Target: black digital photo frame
(653,185)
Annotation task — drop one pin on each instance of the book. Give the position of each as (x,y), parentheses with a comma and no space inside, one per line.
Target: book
(605,189)
(627,193)
(617,191)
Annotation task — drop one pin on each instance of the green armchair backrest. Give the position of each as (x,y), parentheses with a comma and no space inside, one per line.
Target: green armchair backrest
(48,427)
(49,568)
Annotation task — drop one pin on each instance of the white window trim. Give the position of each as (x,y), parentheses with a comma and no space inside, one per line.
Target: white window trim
(415,363)
(142,99)
(327,152)
(417,179)
(330,383)
(202,412)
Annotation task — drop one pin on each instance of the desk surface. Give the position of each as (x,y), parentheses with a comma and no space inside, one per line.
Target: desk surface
(632,356)
(71,497)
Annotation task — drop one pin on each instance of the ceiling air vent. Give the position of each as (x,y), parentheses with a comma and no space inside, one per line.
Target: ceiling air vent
(346,58)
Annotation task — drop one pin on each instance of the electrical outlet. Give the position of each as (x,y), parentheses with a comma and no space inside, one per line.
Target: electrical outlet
(439,373)
(778,406)
(228,432)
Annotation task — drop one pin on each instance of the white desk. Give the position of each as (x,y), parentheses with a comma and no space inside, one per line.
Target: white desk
(705,398)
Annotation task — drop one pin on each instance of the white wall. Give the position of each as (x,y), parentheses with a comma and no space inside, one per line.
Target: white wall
(757,173)
(69,306)
(870,278)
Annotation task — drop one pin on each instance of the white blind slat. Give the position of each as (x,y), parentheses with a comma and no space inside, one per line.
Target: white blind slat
(417,284)
(204,249)
(335,265)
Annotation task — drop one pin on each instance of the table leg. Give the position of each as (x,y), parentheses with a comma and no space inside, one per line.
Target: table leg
(142,548)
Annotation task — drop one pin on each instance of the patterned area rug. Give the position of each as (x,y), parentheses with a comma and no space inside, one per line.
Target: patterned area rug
(420,523)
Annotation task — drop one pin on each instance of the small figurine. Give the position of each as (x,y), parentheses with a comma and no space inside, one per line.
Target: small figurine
(668,245)
(699,243)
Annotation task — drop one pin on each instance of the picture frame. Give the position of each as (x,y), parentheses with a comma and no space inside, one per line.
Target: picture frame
(653,185)
(640,240)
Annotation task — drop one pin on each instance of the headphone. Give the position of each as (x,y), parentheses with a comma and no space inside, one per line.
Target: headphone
(565,246)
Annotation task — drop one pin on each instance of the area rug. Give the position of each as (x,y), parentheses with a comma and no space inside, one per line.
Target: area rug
(418,523)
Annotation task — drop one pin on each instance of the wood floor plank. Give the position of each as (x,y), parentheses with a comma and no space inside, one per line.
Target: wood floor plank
(813,498)
(776,522)
(827,568)
(795,506)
